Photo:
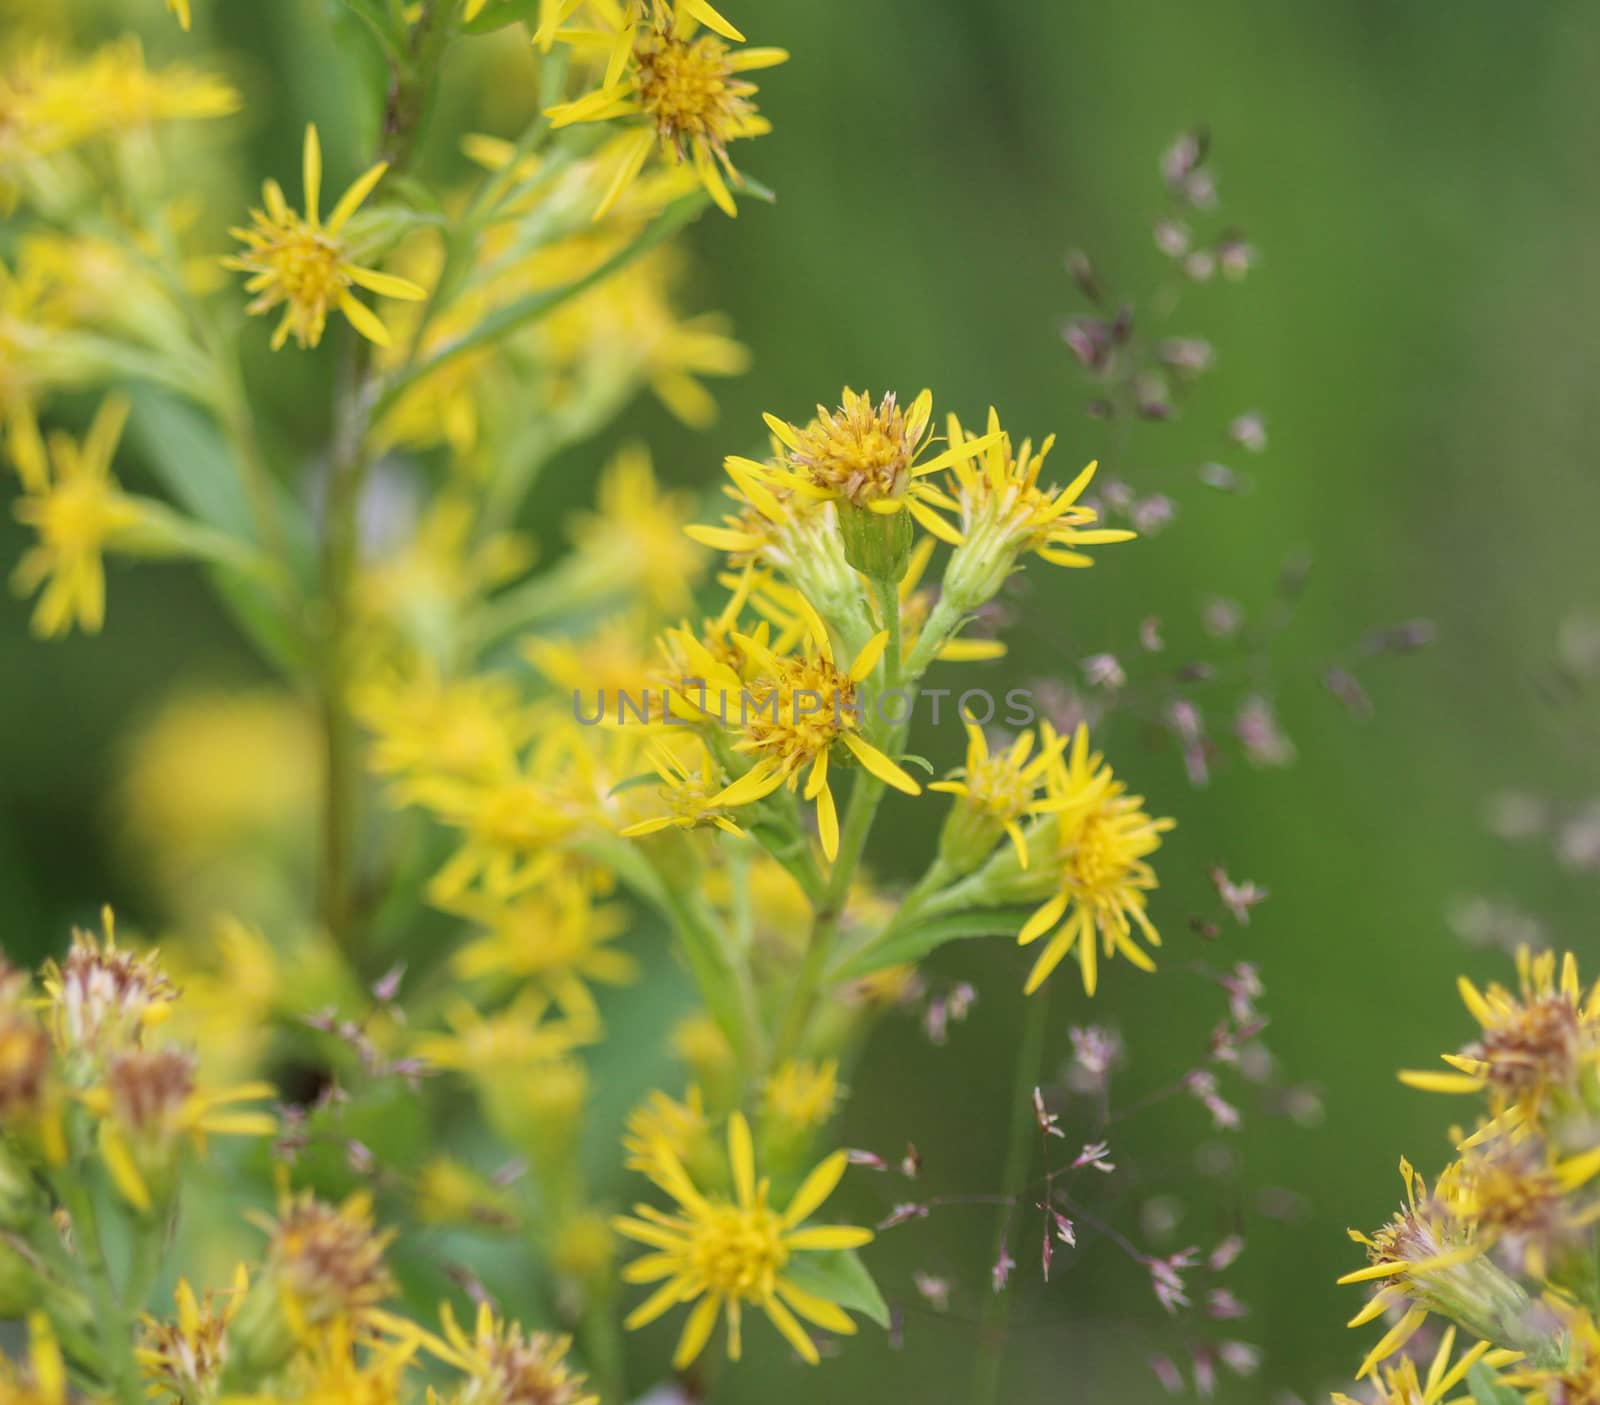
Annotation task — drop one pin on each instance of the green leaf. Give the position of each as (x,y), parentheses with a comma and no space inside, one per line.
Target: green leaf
(1488,1391)
(911,945)
(188,456)
(839,1276)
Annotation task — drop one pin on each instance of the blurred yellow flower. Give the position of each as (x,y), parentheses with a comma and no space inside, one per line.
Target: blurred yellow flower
(74,504)
(183,11)
(149,1102)
(44,1380)
(802,1094)
(727,1253)
(308,267)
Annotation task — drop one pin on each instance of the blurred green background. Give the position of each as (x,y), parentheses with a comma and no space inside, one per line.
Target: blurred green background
(1420,180)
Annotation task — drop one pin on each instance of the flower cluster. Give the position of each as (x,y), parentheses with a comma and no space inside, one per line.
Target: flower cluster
(1501,1245)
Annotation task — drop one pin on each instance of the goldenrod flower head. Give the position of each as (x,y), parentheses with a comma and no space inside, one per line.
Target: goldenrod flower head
(113,90)
(1004,513)
(802,1094)
(1430,1260)
(1519,1194)
(789,715)
(425,726)
(308,267)
(44,1380)
(662,1121)
(30,1095)
(995,792)
(213,782)
(699,1041)
(505,1365)
(1401,1384)
(148,1102)
(555,938)
(1539,1044)
(345,1368)
(634,540)
(869,455)
(692,792)
(684,85)
(1101,837)
(74,504)
(504,1045)
(324,1263)
(183,1358)
(727,1253)
(102,997)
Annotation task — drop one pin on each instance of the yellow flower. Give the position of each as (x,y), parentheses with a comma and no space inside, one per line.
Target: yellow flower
(554,937)
(506,1366)
(494,1047)
(30,1093)
(426,725)
(997,790)
(685,86)
(1102,837)
(868,456)
(802,1094)
(635,540)
(730,1252)
(449,1192)
(1521,1195)
(113,90)
(102,998)
(1003,513)
(1401,1385)
(308,267)
(75,505)
(1429,1259)
(789,716)
(44,1381)
(324,1263)
(1539,1046)
(148,1103)
(662,1121)
(692,792)
(343,1367)
(183,11)
(183,1358)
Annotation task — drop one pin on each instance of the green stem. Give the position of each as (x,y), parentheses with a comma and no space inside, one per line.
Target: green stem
(997,1307)
(114,1319)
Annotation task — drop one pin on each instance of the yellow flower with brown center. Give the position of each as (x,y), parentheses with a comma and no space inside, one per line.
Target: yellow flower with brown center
(183,1358)
(1101,837)
(74,504)
(1520,1195)
(308,266)
(149,1103)
(324,1263)
(723,1254)
(504,1365)
(1538,1044)
(684,86)
(103,997)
